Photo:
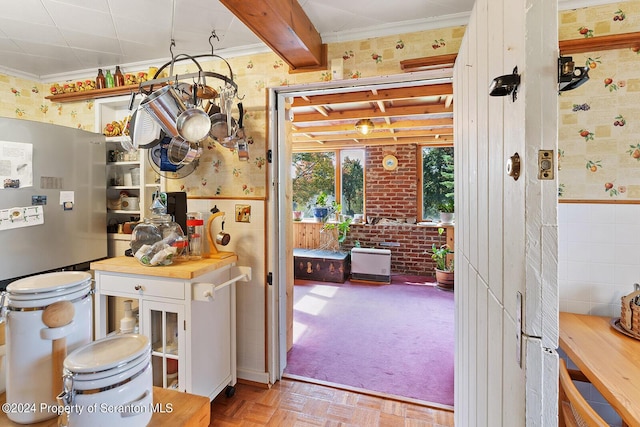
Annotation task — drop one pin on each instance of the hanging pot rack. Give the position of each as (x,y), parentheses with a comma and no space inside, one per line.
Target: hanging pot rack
(201,75)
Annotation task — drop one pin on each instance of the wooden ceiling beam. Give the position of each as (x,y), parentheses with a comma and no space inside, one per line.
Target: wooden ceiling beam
(380,95)
(285,28)
(401,124)
(413,110)
(436,133)
(361,143)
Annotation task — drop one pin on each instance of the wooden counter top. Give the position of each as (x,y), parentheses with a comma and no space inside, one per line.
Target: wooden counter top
(187,410)
(177,270)
(608,358)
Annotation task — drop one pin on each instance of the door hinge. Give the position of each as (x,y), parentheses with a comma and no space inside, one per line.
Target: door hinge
(270,278)
(184,324)
(270,156)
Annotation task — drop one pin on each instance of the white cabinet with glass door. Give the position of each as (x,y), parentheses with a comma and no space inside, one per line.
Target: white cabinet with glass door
(187,310)
(161,324)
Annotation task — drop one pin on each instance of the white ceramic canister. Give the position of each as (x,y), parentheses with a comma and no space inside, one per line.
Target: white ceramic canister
(108,382)
(130,203)
(29,341)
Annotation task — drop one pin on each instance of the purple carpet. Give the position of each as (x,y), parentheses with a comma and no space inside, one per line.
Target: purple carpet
(396,339)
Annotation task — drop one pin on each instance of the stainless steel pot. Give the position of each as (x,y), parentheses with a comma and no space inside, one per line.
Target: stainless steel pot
(181,152)
(193,125)
(165,105)
(219,127)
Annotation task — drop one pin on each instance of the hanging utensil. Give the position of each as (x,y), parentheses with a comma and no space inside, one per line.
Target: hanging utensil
(144,130)
(223,238)
(240,141)
(193,124)
(222,124)
(165,106)
(126,141)
(206,92)
(181,152)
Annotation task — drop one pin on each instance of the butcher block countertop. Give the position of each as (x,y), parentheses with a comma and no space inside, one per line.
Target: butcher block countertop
(178,270)
(178,410)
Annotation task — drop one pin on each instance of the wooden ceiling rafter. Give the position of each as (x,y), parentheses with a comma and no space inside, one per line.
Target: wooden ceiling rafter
(378,135)
(332,145)
(381,95)
(345,127)
(285,28)
(414,110)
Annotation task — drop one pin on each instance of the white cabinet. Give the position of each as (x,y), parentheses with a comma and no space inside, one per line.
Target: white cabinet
(161,322)
(187,310)
(127,174)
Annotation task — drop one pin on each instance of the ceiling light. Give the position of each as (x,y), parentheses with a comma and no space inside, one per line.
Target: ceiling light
(364,126)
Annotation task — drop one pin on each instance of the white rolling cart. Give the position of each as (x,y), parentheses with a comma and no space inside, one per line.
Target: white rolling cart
(188,312)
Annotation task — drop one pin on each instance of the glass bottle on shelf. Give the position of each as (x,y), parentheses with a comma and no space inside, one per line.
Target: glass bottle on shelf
(118,77)
(109,79)
(101,83)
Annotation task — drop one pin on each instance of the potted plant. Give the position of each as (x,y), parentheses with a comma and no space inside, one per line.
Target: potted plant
(446,211)
(297,215)
(444,264)
(321,207)
(343,228)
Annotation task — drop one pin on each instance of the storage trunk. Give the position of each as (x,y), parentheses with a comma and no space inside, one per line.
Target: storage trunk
(325,266)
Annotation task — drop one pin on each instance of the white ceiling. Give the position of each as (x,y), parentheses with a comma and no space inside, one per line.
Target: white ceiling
(46,39)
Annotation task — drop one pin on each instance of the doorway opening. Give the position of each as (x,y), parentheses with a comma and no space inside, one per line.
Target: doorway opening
(283,145)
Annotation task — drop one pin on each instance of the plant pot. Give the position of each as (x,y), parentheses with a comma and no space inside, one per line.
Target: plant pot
(298,215)
(446,217)
(445,279)
(320,213)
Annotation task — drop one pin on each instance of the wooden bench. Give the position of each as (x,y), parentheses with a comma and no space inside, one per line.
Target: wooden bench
(322,265)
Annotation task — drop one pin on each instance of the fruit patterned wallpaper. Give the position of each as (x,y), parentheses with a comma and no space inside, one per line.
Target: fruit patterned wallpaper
(599,122)
(220,173)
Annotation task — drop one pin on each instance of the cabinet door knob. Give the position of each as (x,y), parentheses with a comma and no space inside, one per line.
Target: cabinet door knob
(138,287)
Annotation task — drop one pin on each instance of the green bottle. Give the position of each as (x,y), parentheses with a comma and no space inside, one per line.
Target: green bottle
(109,79)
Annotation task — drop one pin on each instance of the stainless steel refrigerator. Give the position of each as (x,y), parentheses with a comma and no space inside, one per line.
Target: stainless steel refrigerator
(52,198)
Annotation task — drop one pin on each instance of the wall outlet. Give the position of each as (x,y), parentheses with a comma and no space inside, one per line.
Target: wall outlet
(337,69)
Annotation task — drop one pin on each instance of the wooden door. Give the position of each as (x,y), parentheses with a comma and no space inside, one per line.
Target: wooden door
(506,237)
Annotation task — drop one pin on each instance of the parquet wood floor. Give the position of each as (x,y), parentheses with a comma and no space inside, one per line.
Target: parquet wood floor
(295,403)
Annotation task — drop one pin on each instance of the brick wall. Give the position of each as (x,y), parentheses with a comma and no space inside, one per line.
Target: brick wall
(412,256)
(393,195)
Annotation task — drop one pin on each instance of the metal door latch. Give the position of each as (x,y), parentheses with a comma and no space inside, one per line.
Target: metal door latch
(545,164)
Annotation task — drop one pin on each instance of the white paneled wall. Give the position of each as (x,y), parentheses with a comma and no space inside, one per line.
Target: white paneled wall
(248,242)
(599,256)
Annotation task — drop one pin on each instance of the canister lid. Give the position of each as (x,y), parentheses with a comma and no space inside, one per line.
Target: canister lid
(48,282)
(107,353)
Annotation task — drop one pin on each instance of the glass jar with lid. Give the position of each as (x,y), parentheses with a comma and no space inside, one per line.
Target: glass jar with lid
(158,240)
